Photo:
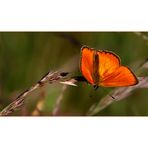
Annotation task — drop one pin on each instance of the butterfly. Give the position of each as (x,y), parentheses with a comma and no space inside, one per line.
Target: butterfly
(103,68)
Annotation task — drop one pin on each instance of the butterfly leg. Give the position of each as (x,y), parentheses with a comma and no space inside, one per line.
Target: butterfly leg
(95,87)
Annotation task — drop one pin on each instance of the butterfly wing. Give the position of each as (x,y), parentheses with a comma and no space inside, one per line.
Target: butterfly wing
(108,63)
(123,76)
(86,64)
(111,73)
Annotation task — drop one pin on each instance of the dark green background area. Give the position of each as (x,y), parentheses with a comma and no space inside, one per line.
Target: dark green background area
(26,56)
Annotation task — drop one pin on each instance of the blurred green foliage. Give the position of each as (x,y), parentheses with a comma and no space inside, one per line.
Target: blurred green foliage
(26,56)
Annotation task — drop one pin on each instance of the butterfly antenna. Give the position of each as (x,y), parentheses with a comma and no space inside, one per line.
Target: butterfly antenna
(96,87)
(109,94)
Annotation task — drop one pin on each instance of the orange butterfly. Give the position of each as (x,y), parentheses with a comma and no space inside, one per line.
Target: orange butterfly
(103,68)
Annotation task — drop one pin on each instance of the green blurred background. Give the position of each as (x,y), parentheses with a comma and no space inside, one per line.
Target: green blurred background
(26,56)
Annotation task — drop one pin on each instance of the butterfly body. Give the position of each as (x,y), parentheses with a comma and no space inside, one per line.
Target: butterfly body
(103,68)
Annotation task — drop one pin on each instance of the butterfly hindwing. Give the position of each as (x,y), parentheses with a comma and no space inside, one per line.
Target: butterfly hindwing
(122,76)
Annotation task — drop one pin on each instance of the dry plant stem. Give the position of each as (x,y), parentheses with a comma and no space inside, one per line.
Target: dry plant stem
(72,82)
(50,77)
(71,39)
(58,102)
(39,105)
(118,94)
(143,36)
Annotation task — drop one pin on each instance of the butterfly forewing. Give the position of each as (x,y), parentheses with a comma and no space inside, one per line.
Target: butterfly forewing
(86,64)
(108,63)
